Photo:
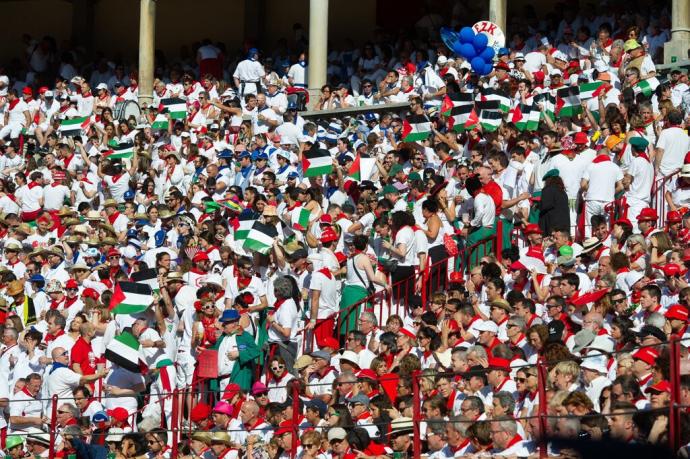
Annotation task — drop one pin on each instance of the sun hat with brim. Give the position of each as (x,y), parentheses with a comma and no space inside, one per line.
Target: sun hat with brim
(13,441)
(496,363)
(408,331)
(203,437)
(582,339)
(631,44)
(487,326)
(303,361)
(661,386)
(221,437)
(367,374)
(565,261)
(223,408)
(24,229)
(349,356)
(647,214)
(502,304)
(590,244)
(402,425)
(270,211)
(603,343)
(173,153)
(41,438)
(685,171)
(597,364)
(93,215)
(532,228)
(336,433)
(174,277)
(110,203)
(15,288)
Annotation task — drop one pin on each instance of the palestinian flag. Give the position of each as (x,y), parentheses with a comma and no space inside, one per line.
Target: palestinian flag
(503,100)
(260,238)
(315,162)
(147,277)
(122,151)
(455,100)
(646,87)
(212,206)
(490,120)
(525,117)
(161,122)
(300,218)
(123,350)
(130,298)
(245,223)
(590,90)
(462,118)
(175,106)
(416,127)
(74,127)
(356,170)
(548,103)
(568,102)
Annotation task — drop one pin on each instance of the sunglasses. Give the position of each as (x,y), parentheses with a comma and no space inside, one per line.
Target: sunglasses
(520,380)
(279,367)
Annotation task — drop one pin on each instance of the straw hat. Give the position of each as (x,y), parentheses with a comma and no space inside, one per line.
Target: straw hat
(81,229)
(65,212)
(71,221)
(164,214)
(221,437)
(110,203)
(15,288)
(93,215)
(270,211)
(24,229)
(174,277)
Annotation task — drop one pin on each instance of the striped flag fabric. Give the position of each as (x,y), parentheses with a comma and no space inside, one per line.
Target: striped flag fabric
(123,350)
(147,277)
(74,126)
(245,222)
(130,298)
(122,151)
(568,102)
(525,117)
(356,169)
(590,90)
(175,106)
(503,100)
(260,238)
(316,161)
(416,127)
(548,103)
(490,120)
(462,118)
(300,218)
(646,87)
(455,100)
(161,122)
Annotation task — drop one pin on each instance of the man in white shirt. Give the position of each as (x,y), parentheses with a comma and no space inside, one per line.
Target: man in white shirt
(17,116)
(249,73)
(601,179)
(62,380)
(639,178)
(672,145)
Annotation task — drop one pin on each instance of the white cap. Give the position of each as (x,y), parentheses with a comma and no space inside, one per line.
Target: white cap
(350,356)
(555,72)
(48,94)
(185,134)
(102,86)
(213,278)
(441,60)
(4,79)
(596,363)
(488,326)
(129,252)
(519,57)
(560,55)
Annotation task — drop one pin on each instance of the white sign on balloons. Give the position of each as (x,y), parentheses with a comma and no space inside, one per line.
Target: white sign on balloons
(497,38)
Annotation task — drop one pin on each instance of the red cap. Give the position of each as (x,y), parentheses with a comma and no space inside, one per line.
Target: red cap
(328,235)
(623,221)
(670,269)
(327,219)
(43,89)
(27,91)
(661,386)
(496,363)
(686,254)
(677,311)
(502,65)
(673,216)
(90,293)
(538,76)
(282,430)
(580,138)
(113,253)
(516,266)
(328,342)
(231,390)
(71,284)
(456,277)
(200,412)
(367,374)
(340,256)
(647,214)
(200,256)
(119,414)
(58,175)
(686,160)
(647,355)
(532,228)
(408,332)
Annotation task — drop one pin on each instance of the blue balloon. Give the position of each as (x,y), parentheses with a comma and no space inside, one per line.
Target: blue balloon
(467,35)
(480,41)
(488,54)
(467,51)
(478,65)
(457,48)
(488,67)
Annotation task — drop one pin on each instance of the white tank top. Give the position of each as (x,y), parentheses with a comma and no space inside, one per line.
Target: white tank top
(354,273)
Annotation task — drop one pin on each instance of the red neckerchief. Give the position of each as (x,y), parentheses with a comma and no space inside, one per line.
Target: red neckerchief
(68,160)
(494,342)
(117,177)
(70,302)
(113,217)
(294,206)
(645,380)
(520,286)
(498,388)
(26,391)
(636,257)
(326,371)
(364,415)
(32,185)
(648,232)
(462,445)
(13,103)
(601,159)
(50,337)
(277,379)
(326,272)
(451,401)
(520,337)
(276,307)
(243,282)
(513,441)
(55,304)
(259,421)
(133,86)
(197,271)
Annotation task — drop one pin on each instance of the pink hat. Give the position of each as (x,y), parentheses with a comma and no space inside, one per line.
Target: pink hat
(223,408)
(259,388)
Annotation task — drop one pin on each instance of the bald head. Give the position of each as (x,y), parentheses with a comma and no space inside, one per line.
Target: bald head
(60,355)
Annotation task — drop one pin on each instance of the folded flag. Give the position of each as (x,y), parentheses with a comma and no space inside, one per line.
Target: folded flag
(316,161)
(462,118)
(122,151)
(416,127)
(525,117)
(568,102)
(246,221)
(161,122)
(175,106)
(260,238)
(123,350)
(147,277)
(503,100)
(74,127)
(490,120)
(300,218)
(548,103)
(646,87)
(590,90)
(130,298)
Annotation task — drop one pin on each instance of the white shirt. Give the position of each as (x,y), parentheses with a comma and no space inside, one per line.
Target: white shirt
(602,178)
(406,236)
(329,300)
(675,143)
(124,379)
(484,211)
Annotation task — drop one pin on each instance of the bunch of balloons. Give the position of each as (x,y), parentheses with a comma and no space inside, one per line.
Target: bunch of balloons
(472,46)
